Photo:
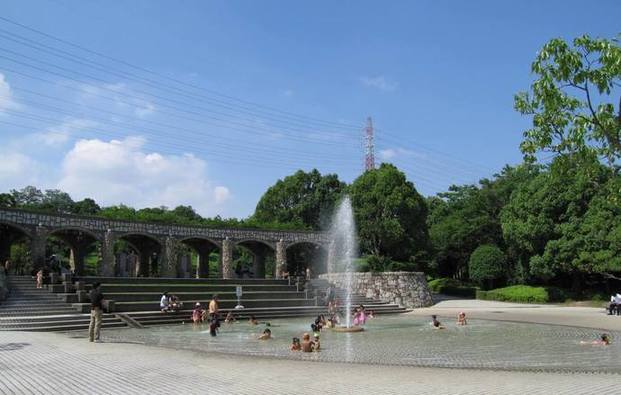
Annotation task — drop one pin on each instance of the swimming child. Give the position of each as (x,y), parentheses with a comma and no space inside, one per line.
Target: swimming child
(230,318)
(266,335)
(253,320)
(295,344)
(461,318)
(436,324)
(604,340)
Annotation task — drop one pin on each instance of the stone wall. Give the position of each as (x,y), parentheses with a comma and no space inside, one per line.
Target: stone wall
(408,289)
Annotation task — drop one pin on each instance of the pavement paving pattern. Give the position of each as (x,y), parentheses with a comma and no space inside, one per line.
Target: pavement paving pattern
(52,363)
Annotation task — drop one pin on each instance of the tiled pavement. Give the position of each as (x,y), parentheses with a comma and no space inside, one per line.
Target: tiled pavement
(52,363)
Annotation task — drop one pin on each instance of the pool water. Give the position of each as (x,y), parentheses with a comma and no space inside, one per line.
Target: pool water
(402,340)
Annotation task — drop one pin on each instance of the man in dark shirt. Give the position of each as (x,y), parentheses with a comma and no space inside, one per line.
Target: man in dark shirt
(96,311)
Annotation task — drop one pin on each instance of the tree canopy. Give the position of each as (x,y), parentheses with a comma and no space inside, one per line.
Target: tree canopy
(305,199)
(572,101)
(390,214)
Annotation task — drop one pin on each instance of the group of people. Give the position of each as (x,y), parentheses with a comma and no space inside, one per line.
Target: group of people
(461,320)
(170,303)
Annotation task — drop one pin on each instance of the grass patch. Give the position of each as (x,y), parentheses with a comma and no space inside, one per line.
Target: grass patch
(523,294)
(453,287)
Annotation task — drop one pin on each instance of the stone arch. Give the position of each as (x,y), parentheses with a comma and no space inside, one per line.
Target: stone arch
(94,235)
(11,234)
(204,247)
(306,254)
(263,255)
(150,252)
(22,229)
(80,242)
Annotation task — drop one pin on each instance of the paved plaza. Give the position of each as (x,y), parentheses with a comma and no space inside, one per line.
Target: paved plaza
(56,363)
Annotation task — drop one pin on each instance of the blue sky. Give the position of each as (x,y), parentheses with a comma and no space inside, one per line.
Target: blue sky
(208,103)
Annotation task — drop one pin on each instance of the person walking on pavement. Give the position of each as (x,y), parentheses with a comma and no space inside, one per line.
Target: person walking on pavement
(94,327)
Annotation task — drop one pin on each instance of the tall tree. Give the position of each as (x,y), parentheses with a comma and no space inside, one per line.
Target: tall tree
(565,221)
(390,214)
(305,199)
(86,207)
(572,101)
(468,216)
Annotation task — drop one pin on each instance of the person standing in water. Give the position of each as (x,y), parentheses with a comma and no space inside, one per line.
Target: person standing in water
(214,319)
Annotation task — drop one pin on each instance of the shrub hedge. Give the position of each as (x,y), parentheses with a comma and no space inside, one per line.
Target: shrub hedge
(450,286)
(523,294)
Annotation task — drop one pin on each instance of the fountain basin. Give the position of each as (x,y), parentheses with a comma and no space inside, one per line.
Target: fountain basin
(346,329)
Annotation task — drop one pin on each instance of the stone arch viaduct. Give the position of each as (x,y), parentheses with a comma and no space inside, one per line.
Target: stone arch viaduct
(149,239)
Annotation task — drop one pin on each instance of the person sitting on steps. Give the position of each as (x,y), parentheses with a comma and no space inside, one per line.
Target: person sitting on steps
(164,305)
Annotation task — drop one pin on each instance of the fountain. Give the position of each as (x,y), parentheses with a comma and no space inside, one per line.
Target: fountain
(343,232)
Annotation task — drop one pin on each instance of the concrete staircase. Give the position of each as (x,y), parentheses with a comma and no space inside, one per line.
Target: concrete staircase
(136,301)
(30,309)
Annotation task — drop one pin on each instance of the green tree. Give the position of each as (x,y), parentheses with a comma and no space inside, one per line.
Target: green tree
(86,207)
(468,216)
(7,200)
(390,214)
(487,264)
(27,197)
(305,199)
(571,100)
(565,221)
(57,201)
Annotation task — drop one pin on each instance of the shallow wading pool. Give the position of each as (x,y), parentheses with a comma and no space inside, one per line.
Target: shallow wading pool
(402,340)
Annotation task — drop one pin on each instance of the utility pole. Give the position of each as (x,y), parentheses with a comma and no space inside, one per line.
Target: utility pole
(369,154)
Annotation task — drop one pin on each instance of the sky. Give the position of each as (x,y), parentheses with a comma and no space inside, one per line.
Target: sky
(208,103)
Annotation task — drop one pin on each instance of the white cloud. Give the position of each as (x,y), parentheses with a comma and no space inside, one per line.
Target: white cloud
(60,134)
(7,102)
(120,171)
(379,82)
(123,97)
(392,153)
(144,109)
(18,170)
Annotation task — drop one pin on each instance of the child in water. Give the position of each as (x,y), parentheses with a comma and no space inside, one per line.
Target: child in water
(307,344)
(436,324)
(253,320)
(295,344)
(604,340)
(197,314)
(461,318)
(266,335)
(230,318)
(316,344)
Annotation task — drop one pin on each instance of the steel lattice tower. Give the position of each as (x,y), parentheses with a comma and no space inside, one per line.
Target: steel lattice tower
(369,151)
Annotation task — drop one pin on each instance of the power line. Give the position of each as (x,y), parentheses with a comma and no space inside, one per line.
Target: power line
(142,69)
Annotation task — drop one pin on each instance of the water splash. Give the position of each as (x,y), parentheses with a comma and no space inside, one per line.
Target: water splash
(343,232)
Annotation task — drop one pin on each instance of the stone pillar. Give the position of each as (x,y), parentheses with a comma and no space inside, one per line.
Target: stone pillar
(227,258)
(331,264)
(5,247)
(37,247)
(144,262)
(106,265)
(258,263)
(202,268)
(281,259)
(76,259)
(185,264)
(169,259)
(122,262)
